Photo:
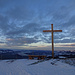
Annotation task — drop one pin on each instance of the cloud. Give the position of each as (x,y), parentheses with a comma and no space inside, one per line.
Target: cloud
(20,41)
(4,3)
(65,41)
(70,23)
(73,45)
(20,13)
(2,42)
(67,45)
(29,18)
(58,38)
(27,29)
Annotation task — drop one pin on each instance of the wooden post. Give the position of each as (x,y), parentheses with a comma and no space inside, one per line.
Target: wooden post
(52,42)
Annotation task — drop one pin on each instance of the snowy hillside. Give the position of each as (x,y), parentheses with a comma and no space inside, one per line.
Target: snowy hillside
(35,67)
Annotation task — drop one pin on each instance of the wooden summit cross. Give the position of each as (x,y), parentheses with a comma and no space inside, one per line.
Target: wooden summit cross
(52,37)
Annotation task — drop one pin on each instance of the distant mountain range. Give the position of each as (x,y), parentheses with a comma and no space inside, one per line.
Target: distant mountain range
(23,54)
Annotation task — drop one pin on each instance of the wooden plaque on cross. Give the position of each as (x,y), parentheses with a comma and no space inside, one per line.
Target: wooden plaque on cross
(52,37)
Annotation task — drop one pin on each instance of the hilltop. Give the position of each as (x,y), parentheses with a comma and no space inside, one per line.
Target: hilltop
(35,67)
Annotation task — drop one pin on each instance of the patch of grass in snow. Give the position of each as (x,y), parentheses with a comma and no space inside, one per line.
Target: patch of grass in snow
(70,61)
(37,62)
(54,61)
(10,61)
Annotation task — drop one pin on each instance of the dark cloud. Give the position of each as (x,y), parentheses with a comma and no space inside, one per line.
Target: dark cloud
(2,42)
(20,41)
(19,18)
(58,38)
(72,32)
(27,29)
(4,24)
(65,41)
(70,23)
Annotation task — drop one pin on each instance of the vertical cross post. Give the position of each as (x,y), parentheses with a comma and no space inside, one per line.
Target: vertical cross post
(52,41)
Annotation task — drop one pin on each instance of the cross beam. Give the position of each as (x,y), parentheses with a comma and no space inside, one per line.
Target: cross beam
(51,30)
(52,37)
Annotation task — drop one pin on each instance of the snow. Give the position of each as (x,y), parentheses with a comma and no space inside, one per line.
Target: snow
(22,54)
(35,67)
(62,57)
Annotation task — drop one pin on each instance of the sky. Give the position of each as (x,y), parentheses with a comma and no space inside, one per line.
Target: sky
(22,23)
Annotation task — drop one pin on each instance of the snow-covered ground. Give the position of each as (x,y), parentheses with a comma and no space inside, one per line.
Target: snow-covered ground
(35,67)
